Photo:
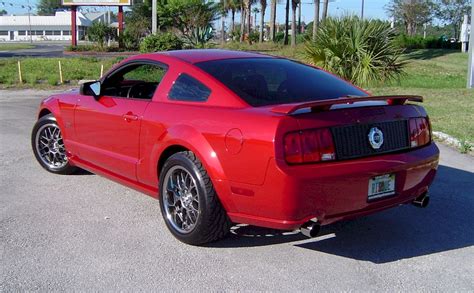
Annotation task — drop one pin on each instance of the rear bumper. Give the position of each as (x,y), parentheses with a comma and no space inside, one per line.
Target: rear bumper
(330,192)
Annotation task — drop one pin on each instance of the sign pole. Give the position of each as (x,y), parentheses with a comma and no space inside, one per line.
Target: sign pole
(120,20)
(73,26)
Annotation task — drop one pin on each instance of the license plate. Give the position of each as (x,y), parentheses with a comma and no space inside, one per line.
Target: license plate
(381,186)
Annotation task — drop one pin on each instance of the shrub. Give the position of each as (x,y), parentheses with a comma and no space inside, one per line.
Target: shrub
(128,41)
(254,37)
(279,37)
(418,42)
(199,37)
(99,32)
(161,42)
(361,51)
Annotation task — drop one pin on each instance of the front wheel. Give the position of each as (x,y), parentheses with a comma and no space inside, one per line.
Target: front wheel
(48,146)
(189,203)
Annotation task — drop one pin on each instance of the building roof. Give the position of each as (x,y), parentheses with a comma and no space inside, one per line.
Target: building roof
(201,55)
(62,18)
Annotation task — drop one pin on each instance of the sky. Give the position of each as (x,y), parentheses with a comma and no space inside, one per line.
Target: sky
(373,8)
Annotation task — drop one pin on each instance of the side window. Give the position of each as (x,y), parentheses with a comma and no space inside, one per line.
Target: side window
(187,88)
(135,81)
(145,73)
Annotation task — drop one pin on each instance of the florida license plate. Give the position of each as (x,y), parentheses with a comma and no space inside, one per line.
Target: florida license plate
(381,186)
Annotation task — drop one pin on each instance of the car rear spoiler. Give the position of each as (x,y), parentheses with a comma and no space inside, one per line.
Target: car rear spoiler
(289,109)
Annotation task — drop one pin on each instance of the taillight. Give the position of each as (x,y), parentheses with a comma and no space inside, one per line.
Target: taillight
(420,132)
(309,146)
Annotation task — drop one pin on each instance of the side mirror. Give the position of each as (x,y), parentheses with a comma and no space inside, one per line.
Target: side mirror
(92,88)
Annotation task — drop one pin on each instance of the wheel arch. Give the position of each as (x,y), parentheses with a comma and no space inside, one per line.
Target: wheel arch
(43,112)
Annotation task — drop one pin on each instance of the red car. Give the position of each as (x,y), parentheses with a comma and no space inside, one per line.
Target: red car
(224,137)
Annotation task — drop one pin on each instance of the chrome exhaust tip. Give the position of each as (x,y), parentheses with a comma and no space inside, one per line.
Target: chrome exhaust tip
(422,201)
(310,229)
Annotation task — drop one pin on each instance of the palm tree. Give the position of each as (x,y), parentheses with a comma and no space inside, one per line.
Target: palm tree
(325,9)
(255,11)
(249,15)
(233,7)
(263,4)
(287,16)
(273,8)
(317,3)
(224,14)
(361,51)
(294,5)
(242,20)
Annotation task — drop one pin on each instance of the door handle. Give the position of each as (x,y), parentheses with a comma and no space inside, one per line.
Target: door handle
(130,117)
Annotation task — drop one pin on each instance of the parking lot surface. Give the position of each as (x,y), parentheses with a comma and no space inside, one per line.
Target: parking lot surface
(84,232)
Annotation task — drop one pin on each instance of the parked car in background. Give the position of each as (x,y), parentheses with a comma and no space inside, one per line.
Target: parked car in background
(223,137)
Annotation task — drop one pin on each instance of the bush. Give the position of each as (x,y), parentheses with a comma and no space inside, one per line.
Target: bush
(254,37)
(100,32)
(279,37)
(161,42)
(418,42)
(361,51)
(128,41)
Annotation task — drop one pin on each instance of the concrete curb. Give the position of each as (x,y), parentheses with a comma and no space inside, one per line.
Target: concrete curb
(450,140)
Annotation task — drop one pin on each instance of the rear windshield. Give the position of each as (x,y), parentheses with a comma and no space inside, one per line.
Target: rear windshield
(271,81)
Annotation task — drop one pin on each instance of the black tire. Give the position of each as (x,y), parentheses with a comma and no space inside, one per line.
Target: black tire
(48,120)
(212,223)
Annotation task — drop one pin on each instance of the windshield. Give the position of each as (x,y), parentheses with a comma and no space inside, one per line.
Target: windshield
(271,81)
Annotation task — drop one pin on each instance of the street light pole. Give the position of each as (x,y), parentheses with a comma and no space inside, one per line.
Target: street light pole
(29,21)
(154,20)
(362,10)
(470,69)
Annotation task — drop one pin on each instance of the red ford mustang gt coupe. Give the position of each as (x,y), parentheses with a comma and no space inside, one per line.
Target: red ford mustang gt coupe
(224,137)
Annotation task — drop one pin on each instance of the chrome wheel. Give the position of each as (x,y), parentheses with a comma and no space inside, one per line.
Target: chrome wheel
(181,199)
(50,146)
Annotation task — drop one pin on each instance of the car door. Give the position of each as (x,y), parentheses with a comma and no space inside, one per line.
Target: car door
(108,127)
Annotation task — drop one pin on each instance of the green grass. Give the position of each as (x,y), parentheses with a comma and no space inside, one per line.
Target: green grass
(12,47)
(440,77)
(45,71)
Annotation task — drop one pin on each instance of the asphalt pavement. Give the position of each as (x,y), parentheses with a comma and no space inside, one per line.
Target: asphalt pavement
(41,49)
(84,232)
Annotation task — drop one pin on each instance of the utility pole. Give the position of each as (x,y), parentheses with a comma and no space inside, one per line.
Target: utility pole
(154,17)
(362,11)
(470,72)
(29,21)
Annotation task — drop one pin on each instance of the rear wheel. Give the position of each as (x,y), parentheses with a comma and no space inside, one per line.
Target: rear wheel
(189,204)
(48,146)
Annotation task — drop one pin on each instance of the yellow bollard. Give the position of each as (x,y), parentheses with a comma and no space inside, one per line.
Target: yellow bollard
(60,73)
(101,70)
(19,72)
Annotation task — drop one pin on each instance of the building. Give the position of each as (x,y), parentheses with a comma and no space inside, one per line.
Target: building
(42,28)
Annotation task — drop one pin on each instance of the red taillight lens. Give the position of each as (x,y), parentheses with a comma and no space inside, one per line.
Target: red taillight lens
(420,132)
(309,146)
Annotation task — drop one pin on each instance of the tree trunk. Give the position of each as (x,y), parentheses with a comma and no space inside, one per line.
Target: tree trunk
(293,26)
(223,24)
(272,19)
(242,24)
(255,21)
(249,20)
(325,9)
(232,25)
(262,23)
(316,18)
(287,16)
(299,18)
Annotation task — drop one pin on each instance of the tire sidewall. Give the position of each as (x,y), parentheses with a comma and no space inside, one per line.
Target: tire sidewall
(203,219)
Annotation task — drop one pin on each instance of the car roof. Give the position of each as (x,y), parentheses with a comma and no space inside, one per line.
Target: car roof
(201,55)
